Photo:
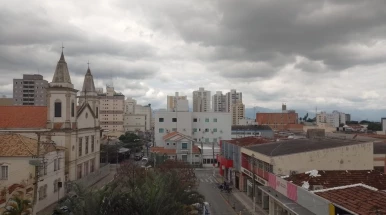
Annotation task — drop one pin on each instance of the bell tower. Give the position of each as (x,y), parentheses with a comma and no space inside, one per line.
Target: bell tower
(89,94)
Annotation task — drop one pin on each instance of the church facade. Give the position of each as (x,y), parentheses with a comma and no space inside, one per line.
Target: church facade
(75,127)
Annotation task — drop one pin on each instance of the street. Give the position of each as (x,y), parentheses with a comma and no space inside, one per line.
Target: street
(220,202)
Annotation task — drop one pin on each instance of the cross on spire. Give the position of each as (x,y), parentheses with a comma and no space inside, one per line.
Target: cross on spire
(88,64)
(62,47)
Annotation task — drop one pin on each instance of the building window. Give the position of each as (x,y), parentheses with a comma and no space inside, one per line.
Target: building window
(214,119)
(80,147)
(4,173)
(194,119)
(96,112)
(161,130)
(79,171)
(161,120)
(43,192)
(214,129)
(206,129)
(184,145)
(86,146)
(72,109)
(206,119)
(92,143)
(194,129)
(206,140)
(174,129)
(85,168)
(92,165)
(167,143)
(174,144)
(58,109)
(174,119)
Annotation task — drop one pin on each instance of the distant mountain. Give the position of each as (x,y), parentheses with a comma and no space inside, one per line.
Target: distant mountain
(356,114)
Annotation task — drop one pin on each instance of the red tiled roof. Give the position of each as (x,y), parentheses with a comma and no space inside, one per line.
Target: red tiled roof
(248,141)
(23,117)
(169,135)
(337,178)
(162,150)
(358,199)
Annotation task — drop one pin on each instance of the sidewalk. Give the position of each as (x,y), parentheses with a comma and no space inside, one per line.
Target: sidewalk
(236,196)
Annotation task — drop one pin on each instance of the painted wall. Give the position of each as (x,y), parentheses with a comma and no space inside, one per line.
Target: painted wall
(355,157)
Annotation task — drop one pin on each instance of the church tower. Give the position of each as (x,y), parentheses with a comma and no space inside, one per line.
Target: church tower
(61,98)
(89,94)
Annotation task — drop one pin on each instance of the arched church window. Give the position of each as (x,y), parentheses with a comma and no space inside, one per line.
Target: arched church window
(72,108)
(58,108)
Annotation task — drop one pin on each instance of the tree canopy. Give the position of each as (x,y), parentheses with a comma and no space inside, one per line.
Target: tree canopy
(140,191)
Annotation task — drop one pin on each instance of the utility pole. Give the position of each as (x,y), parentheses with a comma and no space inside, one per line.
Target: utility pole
(202,153)
(213,152)
(37,171)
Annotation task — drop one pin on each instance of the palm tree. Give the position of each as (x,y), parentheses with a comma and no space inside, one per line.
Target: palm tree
(18,206)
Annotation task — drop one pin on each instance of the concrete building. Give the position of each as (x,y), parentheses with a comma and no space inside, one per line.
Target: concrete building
(17,171)
(333,119)
(383,123)
(177,101)
(232,97)
(201,100)
(241,131)
(206,127)
(112,106)
(31,90)
(238,113)
(136,117)
(178,147)
(247,121)
(277,121)
(219,102)
(300,155)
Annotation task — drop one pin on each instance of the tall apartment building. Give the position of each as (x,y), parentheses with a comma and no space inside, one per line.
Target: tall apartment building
(233,97)
(31,90)
(333,119)
(177,103)
(201,100)
(219,102)
(111,110)
(136,117)
(237,112)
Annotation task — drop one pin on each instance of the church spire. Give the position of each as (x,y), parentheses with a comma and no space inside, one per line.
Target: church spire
(88,83)
(62,76)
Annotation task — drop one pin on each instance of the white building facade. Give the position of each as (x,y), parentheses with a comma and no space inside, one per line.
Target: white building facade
(136,117)
(206,127)
(333,119)
(201,100)
(233,97)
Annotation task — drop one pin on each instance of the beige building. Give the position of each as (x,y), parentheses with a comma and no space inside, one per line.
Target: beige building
(17,171)
(112,106)
(136,117)
(201,100)
(173,102)
(238,113)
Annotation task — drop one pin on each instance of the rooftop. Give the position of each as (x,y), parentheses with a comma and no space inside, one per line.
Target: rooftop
(337,178)
(294,146)
(248,141)
(379,147)
(358,199)
(16,145)
(163,150)
(23,117)
(250,127)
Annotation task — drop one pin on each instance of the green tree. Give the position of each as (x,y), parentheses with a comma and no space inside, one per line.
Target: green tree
(18,206)
(139,191)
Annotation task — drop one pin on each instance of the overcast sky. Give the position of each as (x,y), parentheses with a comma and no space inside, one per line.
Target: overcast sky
(306,53)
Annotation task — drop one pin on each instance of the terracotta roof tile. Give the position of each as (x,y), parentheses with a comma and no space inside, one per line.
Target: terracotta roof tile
(23,117)
(15,145)
(358,199)
(169,135)
(337,178)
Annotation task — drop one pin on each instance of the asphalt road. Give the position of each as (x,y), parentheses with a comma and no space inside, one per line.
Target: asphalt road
(220,203)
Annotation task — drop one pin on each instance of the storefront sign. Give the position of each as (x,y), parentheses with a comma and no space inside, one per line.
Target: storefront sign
(260,180)
(247,172)
(282,186)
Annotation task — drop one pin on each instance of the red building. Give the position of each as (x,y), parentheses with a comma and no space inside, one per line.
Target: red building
(277,121)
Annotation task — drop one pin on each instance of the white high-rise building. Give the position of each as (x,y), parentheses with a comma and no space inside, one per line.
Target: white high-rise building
(177,103)
(219,102)
(333,119)
(233,97)
(201,100)
(136,117)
